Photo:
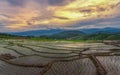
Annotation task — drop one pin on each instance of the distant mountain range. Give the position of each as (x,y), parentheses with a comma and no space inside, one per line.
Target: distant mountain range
(37,32)
(67,34)
(104,30)
(63,31)
(62,34)
(80,35)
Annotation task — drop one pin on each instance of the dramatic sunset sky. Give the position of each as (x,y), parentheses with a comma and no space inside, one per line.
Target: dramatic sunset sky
(22,15)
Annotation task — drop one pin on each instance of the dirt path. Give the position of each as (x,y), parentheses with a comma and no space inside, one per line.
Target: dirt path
(99,68)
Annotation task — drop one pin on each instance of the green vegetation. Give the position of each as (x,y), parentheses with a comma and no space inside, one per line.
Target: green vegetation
(8,36)
(80,37)
(66,36)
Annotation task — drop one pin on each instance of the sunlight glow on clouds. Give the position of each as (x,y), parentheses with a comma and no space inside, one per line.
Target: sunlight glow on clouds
(26,14)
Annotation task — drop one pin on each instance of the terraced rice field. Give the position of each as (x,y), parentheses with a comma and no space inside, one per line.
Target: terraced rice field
(58,58)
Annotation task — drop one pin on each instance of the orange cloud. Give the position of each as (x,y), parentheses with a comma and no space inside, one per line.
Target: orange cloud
(66,14)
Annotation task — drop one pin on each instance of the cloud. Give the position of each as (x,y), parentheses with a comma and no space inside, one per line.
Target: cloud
(34,14)
(16,2)
(55,2)
(63,18)
(59,2)
(99,23)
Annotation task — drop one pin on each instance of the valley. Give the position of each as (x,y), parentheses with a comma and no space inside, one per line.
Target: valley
(23,57)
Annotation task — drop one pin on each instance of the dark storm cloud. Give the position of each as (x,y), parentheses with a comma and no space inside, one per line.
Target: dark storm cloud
(59,2)
(56,2)
(91,9)
(102,21)
(51,2)
(86,10)
(102,9)
(16,2)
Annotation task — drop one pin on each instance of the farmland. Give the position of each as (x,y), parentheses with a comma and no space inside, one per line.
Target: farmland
(23,57)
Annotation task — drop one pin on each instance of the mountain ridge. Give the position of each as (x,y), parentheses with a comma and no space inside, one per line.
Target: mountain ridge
(57,31)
